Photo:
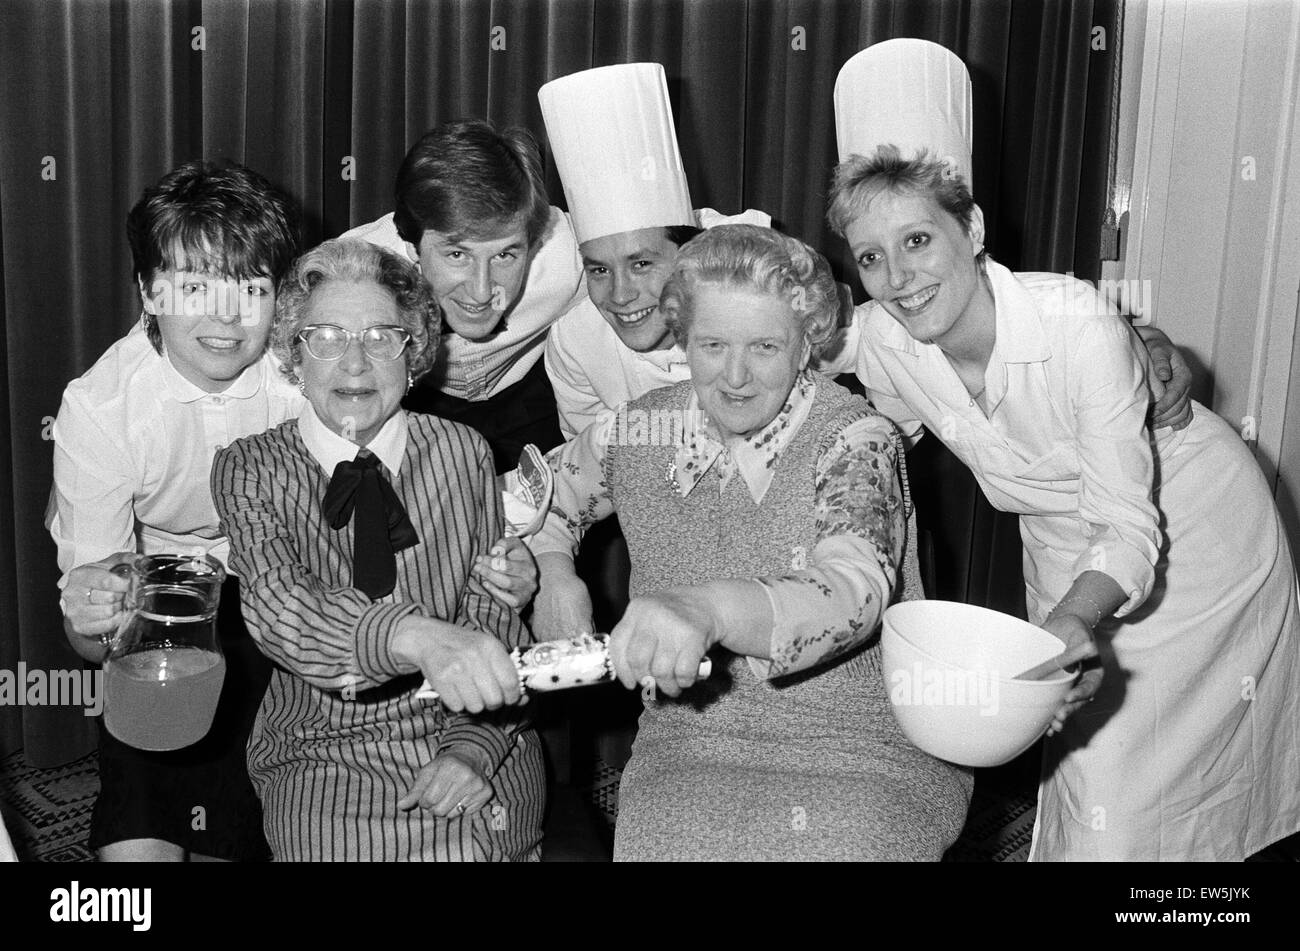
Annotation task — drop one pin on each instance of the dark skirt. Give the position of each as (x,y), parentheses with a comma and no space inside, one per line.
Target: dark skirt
(199,797)
(520,414)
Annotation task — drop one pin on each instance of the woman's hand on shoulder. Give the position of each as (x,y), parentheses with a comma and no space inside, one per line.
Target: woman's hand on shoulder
(470,670)
(93,601)
(1173,406)
(509,572)
(663,635)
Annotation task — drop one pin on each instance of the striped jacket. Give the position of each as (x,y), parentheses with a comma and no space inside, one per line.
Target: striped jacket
(340,736)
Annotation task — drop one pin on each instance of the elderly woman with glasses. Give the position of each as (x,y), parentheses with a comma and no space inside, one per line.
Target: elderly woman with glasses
(764,511)
(357,526)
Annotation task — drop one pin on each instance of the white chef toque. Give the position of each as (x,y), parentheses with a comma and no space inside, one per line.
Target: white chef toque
(910,93)
(612,135)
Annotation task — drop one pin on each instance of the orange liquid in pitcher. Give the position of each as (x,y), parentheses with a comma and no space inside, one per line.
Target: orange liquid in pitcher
(164,696)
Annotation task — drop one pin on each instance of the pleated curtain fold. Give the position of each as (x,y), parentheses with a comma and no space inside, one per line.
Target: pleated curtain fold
(102,97)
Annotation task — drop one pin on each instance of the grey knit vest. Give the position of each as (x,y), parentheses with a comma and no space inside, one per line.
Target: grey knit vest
(710,535)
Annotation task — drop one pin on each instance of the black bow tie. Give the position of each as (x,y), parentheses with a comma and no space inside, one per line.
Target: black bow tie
(381,527)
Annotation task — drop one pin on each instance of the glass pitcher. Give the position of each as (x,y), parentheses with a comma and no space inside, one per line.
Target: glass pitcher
(164,670)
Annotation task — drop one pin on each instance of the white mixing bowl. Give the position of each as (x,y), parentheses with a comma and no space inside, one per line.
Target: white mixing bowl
(950,673)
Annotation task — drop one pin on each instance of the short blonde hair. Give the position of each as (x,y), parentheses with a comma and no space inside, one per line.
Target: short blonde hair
(759,259)
(859,179)
(355,261)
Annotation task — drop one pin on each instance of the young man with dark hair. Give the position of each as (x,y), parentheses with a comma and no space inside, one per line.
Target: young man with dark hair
(471,209)
(615,346)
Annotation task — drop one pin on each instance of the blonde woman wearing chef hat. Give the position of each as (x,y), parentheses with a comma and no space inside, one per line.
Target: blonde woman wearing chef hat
(1169,567)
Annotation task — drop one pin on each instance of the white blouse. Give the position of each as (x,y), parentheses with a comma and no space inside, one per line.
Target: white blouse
(133,448)
(1067,400)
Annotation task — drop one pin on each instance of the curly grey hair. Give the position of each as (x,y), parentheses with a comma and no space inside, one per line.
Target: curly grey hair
(355,261)
(760,259)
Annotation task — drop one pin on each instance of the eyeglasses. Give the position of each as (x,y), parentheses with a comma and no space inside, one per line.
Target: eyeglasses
(330,341)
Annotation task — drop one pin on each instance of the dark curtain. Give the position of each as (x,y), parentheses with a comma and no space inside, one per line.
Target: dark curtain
(101,97)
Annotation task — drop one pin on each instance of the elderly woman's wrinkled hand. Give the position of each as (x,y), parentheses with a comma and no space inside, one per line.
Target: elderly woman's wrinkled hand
(453,784)
(509,572)
(664,635)
(471,671)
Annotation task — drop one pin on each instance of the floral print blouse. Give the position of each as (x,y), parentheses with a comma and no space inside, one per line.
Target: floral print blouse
(831,598)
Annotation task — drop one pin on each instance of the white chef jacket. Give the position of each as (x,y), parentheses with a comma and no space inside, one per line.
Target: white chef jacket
(592,371)
(1190,749)
(7,853)
(1066,431)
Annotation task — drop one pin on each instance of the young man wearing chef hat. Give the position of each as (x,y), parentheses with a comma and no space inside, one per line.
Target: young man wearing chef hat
(611,132)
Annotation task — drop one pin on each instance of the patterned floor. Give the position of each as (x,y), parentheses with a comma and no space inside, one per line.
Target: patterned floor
(1000,820)
(47,811)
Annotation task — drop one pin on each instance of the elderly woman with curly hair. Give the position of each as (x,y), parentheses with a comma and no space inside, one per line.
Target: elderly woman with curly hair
(356,526)
(764,510)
